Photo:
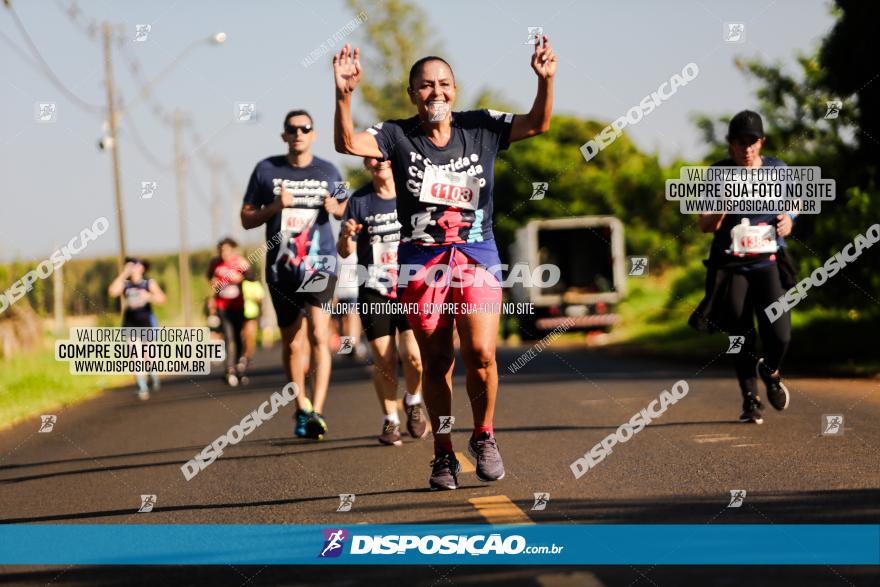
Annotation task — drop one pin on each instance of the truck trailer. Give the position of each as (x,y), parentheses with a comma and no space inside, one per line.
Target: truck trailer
(589,252)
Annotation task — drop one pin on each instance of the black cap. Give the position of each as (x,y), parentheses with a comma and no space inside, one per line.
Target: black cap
(746,123)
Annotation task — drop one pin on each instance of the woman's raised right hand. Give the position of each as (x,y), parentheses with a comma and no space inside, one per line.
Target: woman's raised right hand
(347,69)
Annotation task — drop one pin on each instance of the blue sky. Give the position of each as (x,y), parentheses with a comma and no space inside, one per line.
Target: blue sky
(611,55)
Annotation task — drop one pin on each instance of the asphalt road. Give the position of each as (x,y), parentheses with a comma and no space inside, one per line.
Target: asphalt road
(104,454)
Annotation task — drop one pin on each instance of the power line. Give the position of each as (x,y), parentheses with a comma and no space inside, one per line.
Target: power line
(142,147)
(44,66)
(21,52)
(134,69)
(73,12)
(163,115)
(133,66)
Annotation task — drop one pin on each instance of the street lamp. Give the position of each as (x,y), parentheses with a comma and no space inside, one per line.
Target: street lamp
(110,142)
(217,39)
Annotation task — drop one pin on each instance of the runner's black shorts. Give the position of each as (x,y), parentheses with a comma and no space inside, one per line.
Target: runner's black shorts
(290,303)
(380,316)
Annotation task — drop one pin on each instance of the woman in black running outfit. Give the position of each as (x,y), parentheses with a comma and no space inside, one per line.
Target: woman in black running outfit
(742,284)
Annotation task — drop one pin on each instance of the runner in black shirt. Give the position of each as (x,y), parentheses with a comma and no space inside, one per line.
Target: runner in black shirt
(370,226)
(443,164)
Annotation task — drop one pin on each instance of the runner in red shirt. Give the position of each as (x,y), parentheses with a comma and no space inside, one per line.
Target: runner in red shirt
(226,273)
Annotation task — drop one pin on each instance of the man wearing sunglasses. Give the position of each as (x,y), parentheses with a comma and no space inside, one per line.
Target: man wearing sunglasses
(291,195)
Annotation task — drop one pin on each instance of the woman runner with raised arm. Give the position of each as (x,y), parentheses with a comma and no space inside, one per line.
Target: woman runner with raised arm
(443,164)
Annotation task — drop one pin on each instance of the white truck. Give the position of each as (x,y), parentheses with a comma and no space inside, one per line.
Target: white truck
(589,251)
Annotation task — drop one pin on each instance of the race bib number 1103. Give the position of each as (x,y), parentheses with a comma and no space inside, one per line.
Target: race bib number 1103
(450,188)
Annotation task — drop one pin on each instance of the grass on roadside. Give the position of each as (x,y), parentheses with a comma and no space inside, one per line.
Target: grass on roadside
(35,383)
(654,320)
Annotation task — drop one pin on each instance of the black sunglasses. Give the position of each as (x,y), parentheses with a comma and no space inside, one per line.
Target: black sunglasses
(291,129)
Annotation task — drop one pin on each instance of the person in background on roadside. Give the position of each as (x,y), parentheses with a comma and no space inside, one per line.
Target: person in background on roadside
(226,273)
(138,293)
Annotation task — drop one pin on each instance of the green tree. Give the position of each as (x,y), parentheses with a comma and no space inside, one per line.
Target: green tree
(397,35)
(621,181)
(844,55)
(794,107)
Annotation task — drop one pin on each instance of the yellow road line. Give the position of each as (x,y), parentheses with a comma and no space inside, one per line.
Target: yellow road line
(498,509)
(466,465)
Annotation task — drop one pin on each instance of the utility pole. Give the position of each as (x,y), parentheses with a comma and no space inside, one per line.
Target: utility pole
(183,254)
(114,145)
